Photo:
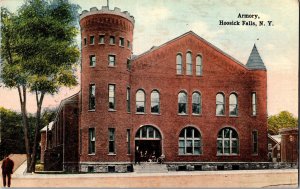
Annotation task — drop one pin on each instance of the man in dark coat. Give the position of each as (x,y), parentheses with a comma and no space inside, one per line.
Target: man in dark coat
(7,170)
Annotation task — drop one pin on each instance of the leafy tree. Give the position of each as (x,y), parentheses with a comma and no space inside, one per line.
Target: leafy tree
(40,55)
(282,120)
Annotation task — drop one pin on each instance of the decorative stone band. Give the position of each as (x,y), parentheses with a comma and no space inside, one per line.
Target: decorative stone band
(105,10)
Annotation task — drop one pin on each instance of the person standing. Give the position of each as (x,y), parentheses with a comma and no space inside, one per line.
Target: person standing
(7,169)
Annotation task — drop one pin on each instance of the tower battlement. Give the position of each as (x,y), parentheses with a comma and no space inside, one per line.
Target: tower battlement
(106,10)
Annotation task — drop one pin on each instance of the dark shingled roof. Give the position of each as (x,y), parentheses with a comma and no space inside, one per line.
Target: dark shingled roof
(255,62)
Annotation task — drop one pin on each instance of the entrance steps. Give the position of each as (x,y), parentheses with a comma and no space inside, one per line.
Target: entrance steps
(150,167)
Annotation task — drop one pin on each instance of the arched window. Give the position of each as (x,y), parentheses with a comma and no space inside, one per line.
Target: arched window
(220,104)
(148,132)
(182,102)
(196,100)
(228,142)
(233,105)
(198,65)
(155,102)
(140,101)
(189,141)
(189,64)
(179,64)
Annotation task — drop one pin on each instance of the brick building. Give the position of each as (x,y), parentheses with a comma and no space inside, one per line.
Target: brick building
(186,100)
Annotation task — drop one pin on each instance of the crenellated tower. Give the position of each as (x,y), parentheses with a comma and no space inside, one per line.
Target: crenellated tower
(107,38)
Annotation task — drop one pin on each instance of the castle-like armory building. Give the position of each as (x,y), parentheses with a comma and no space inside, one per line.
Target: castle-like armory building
(185,99)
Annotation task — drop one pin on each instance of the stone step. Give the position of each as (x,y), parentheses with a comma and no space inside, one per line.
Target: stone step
(149,167)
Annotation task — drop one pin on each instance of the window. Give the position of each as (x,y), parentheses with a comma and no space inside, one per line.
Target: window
(140,101)
(111,97)
(220,104)
(182,102)
(112,40)
(92,40)
(84,41)
(179,64)
(92,60)
(111,60)
(101,39)
(128,64)
(128,140)
(228,142)
(121,42)
(154,102)
(128,99)
(254,104)
(111,138)
(92,140)
(254,140)
(198,65)
(189,64)
(233,105)
(92,97)
(147,132)
(189,141)
(128,44)
(196,100)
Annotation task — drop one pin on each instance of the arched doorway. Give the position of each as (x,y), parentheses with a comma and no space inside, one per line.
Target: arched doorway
(148,143)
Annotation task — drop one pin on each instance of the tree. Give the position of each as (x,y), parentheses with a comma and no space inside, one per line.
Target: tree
(282,120)
(40,55)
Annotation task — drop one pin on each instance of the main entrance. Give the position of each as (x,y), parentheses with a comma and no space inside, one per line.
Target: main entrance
(148,143)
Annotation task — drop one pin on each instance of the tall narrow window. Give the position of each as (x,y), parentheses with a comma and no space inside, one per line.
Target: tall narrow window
(92,60)
(179,64)
(92,140)
(198,65)
(101,39)
(112,40)
(111,97)
(182,103)
(128,99)
(128,44)
(189,65)
(155,102)
(233,105)
(111,138)
(84,41)
(220,104)
(111,60)
(196,106)
(92,40)
(128,141)
(128,64)
(254,140)
(92,97)
(189,141)
(140,101)
(227,142)
(121,42)
(254,104)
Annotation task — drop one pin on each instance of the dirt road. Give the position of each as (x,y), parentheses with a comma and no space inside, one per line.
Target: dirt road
(220,179)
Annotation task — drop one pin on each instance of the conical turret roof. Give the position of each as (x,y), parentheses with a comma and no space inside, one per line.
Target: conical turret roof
(255,62)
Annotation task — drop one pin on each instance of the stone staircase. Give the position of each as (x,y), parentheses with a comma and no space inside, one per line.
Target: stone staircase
(150,167)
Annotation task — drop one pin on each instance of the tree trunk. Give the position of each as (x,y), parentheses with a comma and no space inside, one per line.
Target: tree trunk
(37,135)
(22,97)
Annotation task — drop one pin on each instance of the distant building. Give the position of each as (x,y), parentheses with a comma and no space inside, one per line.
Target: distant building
(186,100)
(274,148)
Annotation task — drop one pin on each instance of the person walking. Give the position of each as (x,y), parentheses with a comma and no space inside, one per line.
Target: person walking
(7,169)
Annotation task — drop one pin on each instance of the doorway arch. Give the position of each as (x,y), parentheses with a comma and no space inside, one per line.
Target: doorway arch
(148,143)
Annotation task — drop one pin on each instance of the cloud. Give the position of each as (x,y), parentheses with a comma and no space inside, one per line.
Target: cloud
(204,31)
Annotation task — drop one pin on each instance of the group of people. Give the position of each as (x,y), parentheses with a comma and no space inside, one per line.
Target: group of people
(145,156)
(7,170)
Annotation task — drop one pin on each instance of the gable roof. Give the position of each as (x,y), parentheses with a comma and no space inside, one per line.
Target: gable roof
(134,57)
(275,138)
(255,62)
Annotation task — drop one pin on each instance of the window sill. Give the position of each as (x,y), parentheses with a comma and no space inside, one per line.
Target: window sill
(92,154)
(129,112)
(225,155)
(156,114)
(112,44)
(121,46)
(140,113)
(182,114)
(92,66)
(112,110)
(196,115)
(128,154)
(112,154)
(92,110)
(189,154)
(234,116)
(101,43)
(111,66)
(179,74)
(92,44)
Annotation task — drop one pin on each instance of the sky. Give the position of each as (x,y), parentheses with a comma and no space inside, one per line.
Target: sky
(158,21)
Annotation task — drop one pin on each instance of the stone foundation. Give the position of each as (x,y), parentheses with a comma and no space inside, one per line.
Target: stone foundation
(215,166)
(105,168)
